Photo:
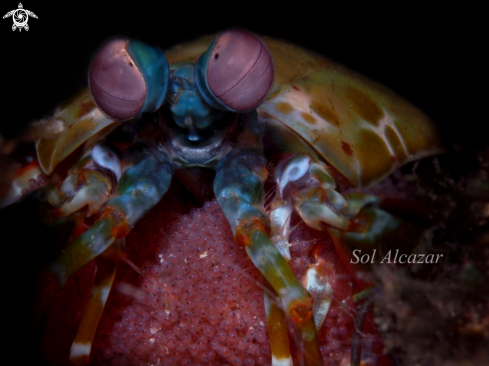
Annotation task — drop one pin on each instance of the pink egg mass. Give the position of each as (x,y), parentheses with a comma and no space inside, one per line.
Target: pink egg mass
(199,300)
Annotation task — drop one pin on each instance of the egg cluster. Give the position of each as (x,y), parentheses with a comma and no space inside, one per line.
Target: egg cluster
(200,301)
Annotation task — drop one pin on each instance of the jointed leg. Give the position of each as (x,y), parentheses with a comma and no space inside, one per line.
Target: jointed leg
(354,221)
(239,191)
(277,327)
(81,347)
(145,179)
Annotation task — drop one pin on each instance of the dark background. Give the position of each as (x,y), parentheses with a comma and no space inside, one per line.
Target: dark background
(431,57)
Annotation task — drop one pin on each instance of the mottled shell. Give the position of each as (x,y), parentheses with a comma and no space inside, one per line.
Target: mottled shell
(361,128)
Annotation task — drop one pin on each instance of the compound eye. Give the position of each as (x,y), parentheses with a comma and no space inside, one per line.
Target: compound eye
(236,72)
(127,78)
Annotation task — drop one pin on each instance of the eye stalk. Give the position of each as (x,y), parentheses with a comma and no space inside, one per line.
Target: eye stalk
(128,78)
(236,73)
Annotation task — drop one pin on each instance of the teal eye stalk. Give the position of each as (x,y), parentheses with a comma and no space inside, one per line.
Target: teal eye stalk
(128,78)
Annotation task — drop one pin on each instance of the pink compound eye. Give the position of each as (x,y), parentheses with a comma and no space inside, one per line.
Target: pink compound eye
(117,87)
(236,72)
(127,78)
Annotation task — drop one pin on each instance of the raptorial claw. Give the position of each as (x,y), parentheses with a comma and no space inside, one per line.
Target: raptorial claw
(144,181)
(354,221)
(311,189)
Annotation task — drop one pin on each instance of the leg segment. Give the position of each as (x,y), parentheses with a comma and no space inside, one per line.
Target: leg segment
(354,221)
(146,178)
(107,266)
(307,186)
(239,191)
(90,182)
(277,327)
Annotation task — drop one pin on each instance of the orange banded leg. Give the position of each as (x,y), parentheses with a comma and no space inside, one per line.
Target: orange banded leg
(239,190)
(144,181)
(81,347)
(142,184)
(277,327)
(354,221)
(296,301)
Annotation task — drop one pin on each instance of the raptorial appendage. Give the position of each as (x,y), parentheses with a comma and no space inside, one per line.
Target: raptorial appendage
(117,193)
(354,221)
